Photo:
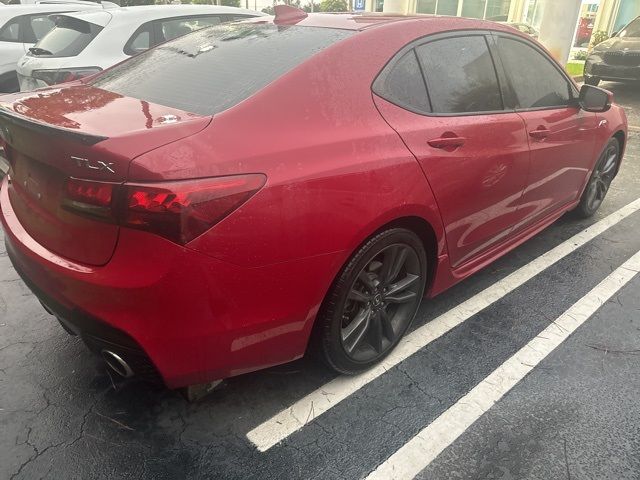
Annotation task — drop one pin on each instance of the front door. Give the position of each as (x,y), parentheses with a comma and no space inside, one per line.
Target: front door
(561,135)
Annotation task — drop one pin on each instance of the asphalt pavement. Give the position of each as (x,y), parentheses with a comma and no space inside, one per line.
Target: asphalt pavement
(528,370)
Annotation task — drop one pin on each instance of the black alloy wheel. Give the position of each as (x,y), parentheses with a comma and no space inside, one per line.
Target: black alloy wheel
(603,174)
(374,300)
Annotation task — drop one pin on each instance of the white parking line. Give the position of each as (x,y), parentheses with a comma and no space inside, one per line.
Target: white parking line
(303,411)
(422,449)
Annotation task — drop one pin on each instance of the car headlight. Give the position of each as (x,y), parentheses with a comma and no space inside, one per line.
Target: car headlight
(63,75)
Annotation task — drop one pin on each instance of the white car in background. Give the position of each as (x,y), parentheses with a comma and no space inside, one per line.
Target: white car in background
(21,26)
(85,43)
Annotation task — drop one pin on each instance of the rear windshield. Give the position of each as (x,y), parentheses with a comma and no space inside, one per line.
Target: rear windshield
(68,38)
(217,67)
(632,30)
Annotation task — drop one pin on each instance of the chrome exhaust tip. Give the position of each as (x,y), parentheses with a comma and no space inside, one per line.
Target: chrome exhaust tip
(116,363)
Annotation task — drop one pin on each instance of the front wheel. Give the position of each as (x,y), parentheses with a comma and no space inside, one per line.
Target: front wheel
(373,301)
(603,174)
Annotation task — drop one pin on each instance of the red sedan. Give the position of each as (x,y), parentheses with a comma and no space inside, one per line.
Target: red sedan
(224,201)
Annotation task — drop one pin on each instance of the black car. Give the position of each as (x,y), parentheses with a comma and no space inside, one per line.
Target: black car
(616,59)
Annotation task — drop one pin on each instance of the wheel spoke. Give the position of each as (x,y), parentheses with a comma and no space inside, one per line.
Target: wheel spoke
(387,327)
(375,332)
(592,194)
(610,165)
(602,189)
(367,280)
(402,284)
(358,296)
(353,333)
(403,297)
(394,259)
(398,262)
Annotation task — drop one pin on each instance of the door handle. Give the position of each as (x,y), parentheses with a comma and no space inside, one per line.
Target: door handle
(540,133)
(447,143)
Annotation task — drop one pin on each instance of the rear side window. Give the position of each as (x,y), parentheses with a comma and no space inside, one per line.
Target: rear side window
(69,37)
(215,68)
(536,82)
(176,27)
(39,26)
(404,84)
(631,30)
(460,74)
(140,41)
(10,32)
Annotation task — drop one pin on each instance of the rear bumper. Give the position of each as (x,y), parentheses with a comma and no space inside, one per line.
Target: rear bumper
(194,318)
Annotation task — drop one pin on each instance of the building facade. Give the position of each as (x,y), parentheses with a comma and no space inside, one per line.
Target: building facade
(578,21)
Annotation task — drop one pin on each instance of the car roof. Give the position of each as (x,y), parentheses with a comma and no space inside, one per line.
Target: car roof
(363,21)
(144,13)
(10,11)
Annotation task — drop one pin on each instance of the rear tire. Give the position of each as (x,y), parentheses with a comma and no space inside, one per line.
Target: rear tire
(603,174)
(373,301)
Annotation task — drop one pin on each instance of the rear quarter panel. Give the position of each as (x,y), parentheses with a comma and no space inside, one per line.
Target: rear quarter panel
(336,171)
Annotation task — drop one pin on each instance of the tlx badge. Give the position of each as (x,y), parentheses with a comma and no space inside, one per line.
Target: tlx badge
(94,165)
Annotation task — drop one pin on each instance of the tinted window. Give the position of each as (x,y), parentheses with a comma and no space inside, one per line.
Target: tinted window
(140,40)
(177,27)
(215,68)
(10,32)
(403,84)
(460,75)
(631,30)
(69,37)
(40,26)
(537,83)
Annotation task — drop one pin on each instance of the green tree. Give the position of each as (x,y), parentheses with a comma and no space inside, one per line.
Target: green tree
(334,6)
(308,7)
(291,3)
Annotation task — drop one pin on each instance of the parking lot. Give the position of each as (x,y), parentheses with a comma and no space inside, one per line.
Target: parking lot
(550,333)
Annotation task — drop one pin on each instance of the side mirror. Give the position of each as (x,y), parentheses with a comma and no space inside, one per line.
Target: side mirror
(594,99)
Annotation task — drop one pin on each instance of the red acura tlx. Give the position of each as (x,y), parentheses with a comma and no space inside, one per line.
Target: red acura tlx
(227,200)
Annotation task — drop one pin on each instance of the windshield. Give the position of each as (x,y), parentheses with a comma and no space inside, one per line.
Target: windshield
(213,69)
(631,30)
(68,38)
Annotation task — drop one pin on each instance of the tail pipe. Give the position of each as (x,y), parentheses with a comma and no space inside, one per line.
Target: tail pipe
(117,364)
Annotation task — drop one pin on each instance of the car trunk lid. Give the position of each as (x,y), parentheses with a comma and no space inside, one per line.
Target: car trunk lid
(81,132)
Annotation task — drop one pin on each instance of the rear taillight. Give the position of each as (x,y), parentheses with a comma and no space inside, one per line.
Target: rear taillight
(53,77)
(179,211)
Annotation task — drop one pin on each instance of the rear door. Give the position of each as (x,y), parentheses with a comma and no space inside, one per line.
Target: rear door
(473,151)
(561,135)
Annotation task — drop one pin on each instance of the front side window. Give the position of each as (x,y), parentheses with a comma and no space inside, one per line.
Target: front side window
(631,30)
(536,82)
(10,32)
(460,75)
(404,85)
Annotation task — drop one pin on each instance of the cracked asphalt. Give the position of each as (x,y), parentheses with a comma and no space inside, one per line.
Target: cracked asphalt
(575,416)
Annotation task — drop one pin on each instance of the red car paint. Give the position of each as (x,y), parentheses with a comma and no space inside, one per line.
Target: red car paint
(340,164)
